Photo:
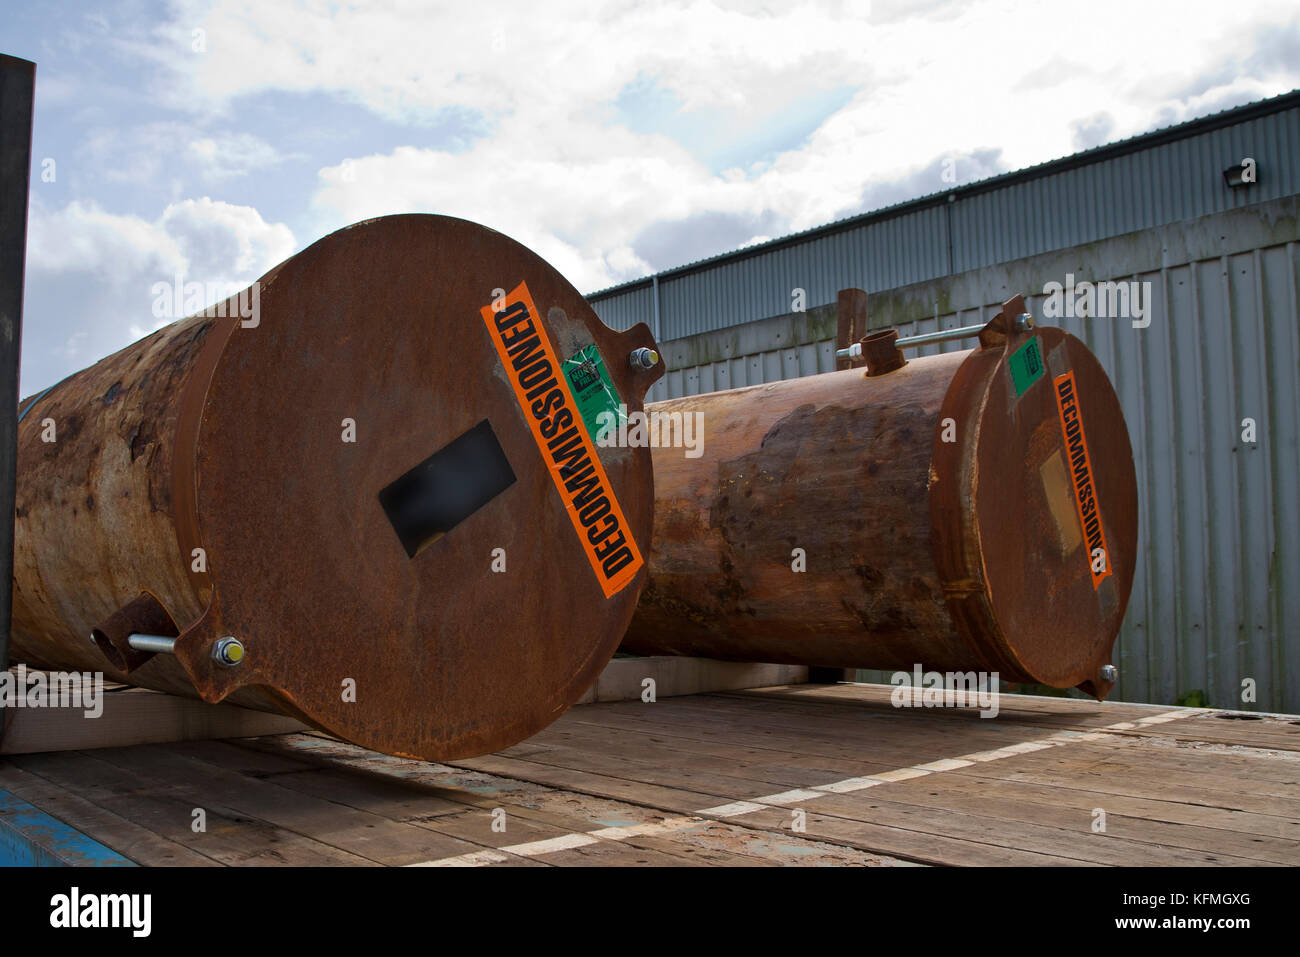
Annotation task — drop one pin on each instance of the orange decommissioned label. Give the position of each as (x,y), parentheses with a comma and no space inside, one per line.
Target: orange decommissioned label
(1076,447)
(543,393)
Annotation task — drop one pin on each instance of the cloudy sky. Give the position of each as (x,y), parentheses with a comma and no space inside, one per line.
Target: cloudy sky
(211,139)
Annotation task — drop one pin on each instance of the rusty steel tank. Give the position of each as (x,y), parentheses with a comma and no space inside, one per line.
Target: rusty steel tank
(371,500)
(970,511)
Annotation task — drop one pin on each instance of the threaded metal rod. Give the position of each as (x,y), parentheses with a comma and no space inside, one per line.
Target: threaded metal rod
(943,335)
(159,644)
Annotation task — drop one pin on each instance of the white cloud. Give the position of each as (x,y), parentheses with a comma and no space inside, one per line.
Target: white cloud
(404,59)
(232,154)
(578,207)
(567,159)
(206,240)
(90,273)
(151,152)
(223,242)
(558,172)
(84,238)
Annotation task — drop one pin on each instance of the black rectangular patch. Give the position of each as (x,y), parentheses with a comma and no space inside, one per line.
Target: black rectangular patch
(447,488)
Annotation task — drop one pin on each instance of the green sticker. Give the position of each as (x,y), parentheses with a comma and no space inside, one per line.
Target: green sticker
(1026,366)
(592,388)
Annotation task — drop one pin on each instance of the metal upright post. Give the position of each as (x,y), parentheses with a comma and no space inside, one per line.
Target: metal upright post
(17,86)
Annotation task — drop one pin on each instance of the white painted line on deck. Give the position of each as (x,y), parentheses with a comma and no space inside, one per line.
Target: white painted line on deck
(945,764)
(666,826)
(986,756)
(787,797)
(564,842)
(474,859)
(848,785)
(780,800)
(902,774)
(1026,747)
(732,809)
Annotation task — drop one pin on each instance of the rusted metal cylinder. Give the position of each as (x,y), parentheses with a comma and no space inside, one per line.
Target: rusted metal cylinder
(967,511)
(380,482)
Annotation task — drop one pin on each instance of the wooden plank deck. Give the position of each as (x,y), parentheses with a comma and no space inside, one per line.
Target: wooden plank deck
(797,774)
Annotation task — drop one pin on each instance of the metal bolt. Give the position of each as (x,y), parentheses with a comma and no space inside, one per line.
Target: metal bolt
(228,652)
(1024,322)
(157,644)
(1109,673)
(644,358)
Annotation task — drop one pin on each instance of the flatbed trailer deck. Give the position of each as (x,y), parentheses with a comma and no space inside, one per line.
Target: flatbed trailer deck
(794,774)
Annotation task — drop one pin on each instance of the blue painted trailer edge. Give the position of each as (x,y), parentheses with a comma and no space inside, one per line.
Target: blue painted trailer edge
(31,838)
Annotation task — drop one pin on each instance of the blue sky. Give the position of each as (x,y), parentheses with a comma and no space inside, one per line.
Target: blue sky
(211,139)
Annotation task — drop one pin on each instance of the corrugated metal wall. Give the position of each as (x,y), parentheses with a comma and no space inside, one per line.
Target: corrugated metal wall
(1216,598)
(883,255)
(628,308)
(1161,178)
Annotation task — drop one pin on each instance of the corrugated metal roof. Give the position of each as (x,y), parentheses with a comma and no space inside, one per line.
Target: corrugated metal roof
(1152,179)
(1122,147)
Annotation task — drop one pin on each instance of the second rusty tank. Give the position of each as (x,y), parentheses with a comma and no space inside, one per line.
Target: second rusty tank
(970,511)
